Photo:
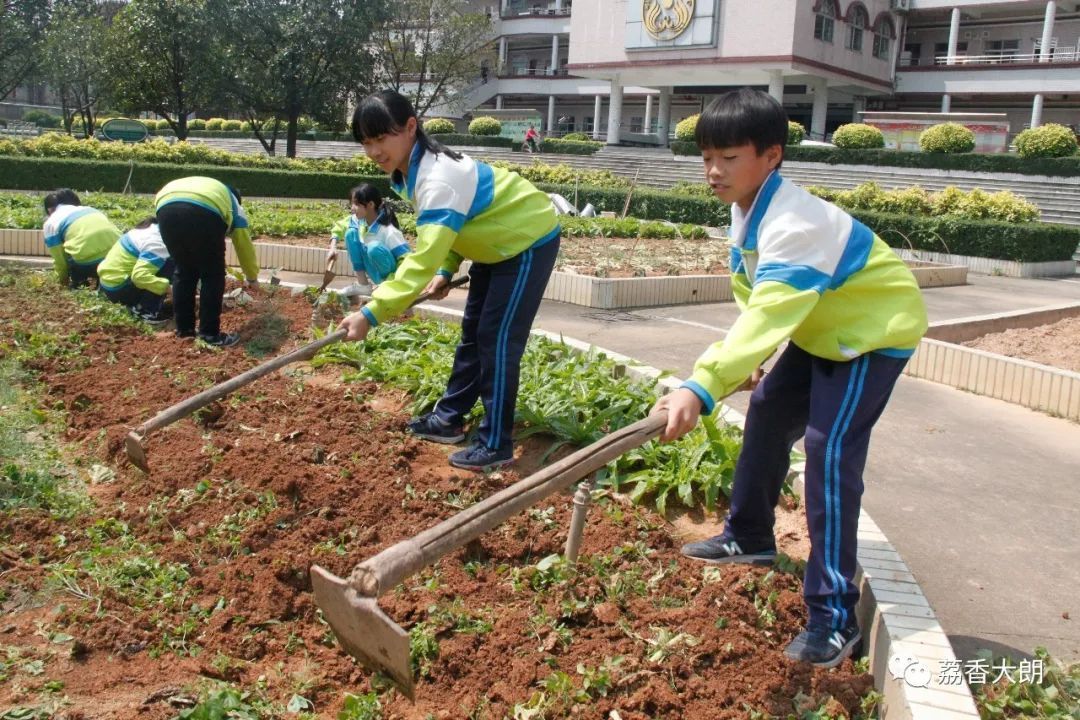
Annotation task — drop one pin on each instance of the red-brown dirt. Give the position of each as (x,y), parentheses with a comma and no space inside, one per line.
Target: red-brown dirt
(300,468)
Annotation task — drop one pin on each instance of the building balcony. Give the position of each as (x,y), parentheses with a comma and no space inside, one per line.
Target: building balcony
(1059,55)
(534,22)
(1017,74)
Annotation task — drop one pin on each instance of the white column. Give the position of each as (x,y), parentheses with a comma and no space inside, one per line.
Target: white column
(858,104)
(648,114)
(776,85)
(1047,35)
(614,112)
(554,54)
(502,55)
(551,114)
(954,34)
(1036,111)
(498,102)
(558,4)
(946,104)
(503,5)
(821,108)
(596,118)
(663,121)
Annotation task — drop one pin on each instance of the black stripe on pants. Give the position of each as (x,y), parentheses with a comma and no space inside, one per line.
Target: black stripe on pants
(195,238)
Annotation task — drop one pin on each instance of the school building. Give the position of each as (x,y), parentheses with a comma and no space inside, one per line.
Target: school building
(628,70)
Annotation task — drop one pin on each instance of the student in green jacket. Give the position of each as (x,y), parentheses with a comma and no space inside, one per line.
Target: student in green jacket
(136,272)
(372,238)
(804,272)
(78,237)
(464,209)
(194,215)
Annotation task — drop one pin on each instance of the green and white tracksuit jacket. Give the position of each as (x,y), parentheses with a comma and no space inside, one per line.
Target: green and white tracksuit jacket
(464,209)
(803,269)
(215,196)
(136,259)
(82,234)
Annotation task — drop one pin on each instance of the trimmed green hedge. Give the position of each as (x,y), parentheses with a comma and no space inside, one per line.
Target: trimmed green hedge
(475,140)
(1026,242)
(565,147)
(27,173)
(648,204)
(249,135)
(974,162)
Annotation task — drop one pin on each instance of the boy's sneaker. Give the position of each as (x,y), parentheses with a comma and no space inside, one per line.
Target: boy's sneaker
(480,457)
(430,427)
(823,646)
(221,339)
(726,549)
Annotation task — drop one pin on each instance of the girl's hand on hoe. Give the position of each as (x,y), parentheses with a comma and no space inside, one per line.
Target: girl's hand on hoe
(357,324)
(438,288)
(683,408)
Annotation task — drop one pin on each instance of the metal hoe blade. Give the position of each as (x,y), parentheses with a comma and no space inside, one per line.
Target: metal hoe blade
(363,629)
(136,452)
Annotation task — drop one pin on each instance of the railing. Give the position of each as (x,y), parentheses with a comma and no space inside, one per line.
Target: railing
(533,72)
(1059,55)
(512,14)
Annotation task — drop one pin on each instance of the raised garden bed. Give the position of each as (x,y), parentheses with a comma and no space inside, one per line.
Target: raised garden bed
(1056,344)
(136,595)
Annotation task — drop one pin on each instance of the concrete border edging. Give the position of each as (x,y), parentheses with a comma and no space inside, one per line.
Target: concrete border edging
(900,630)
(993,266)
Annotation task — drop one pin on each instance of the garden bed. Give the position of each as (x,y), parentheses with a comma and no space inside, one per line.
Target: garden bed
(141,596)
(1056,344)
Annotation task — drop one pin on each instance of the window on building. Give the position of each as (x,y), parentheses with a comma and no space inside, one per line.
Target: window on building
(566,124)
(825,14)
(637,124)
(941,51)
(1003,50)
(883,37)
(912,54)
(587,124)
(858,20)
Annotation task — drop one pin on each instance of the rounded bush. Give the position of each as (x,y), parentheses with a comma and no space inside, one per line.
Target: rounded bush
(485,126)
(947,138)
(245,126)
(197,124)
(857,136)
(1047,141)
(232,125)
(304,124)
(684,130)
(41,118)
(796,133)
(215,123)
(438,126)
(577,137)
(161,125)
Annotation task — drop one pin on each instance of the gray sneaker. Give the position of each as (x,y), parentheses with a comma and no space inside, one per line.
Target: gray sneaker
(726,549)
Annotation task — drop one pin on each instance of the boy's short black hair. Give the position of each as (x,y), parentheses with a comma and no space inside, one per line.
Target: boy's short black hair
(63,196)
(236,194)
(742,116)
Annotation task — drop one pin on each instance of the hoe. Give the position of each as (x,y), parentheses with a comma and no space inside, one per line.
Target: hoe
(136,451)
(350,604)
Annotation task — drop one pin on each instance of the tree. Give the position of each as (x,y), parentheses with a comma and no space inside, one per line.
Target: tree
(304,57)
(73,64)
(163,56)
(431,50)
(22,29)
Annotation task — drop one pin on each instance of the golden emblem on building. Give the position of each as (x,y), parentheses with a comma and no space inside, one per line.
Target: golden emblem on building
(667,19)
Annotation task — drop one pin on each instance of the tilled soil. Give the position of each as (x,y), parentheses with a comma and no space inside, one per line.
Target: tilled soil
(1056,344)
(299,469)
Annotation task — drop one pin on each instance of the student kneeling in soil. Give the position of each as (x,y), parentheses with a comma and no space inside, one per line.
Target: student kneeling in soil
(372,238)
(802,270)
(194,215)
(136,272)
(464,209)
(78,237)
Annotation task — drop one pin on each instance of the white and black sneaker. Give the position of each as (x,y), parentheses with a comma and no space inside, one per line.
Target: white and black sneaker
(727,549)
(822,646)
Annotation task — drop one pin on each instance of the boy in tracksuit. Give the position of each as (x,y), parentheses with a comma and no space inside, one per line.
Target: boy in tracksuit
(806,272)
(194,215)
(465,209)
(78,237)
(136,271)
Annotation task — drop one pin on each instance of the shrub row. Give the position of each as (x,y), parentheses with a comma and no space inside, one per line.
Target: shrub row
(562,146)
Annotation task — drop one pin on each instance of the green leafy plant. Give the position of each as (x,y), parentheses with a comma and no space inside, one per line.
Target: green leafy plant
(438,126)
(686,128)
(485,126)
(858,136)
(1051,690)
(796,133)
(947,138)
(361,707)
(1046,141)
(577,136)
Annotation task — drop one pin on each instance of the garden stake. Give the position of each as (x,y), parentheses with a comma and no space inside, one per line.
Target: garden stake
(582,498)
(133,444)
(350,605)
